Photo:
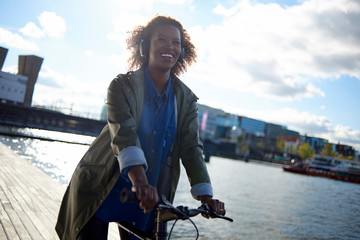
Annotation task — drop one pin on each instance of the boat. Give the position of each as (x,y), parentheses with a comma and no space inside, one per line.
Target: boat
(330,167)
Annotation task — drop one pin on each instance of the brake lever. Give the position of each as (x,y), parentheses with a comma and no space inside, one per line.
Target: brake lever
(215,215)
(165,201)
(205,207)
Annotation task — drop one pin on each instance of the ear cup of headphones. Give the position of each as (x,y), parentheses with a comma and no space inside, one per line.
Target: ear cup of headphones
(142,48)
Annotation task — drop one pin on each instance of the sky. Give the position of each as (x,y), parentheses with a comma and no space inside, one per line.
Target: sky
(289,62)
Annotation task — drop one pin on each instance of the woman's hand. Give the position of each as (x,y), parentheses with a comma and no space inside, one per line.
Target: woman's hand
(145,193)
(215,205)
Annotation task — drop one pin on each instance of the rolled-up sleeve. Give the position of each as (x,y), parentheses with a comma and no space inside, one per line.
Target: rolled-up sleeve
(131,156)
(201,189)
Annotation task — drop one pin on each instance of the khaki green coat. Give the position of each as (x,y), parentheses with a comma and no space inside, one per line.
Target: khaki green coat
(98,170)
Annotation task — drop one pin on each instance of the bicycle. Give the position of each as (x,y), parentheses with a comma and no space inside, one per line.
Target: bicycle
(165,212)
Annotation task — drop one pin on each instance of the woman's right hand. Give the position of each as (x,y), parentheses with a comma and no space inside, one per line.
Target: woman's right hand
(145,193)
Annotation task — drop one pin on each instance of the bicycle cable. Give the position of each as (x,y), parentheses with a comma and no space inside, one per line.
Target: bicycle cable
(188,218)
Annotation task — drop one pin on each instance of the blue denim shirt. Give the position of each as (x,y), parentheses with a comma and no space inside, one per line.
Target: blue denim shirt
(156,133)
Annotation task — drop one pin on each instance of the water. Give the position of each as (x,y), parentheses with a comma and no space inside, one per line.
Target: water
(264,201)
(56,158)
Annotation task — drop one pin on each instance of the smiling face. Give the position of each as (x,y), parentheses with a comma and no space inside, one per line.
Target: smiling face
(165,48)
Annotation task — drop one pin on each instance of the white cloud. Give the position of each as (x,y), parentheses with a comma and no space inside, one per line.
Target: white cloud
(54,79)
(14,40)
(11,69)
(221,10)
(123,23)
(120,62)
(176,2)
(276,52)
(31,30)
(137,5)
(346,134)
(134,5)
(134,13)
(54,88)
(89,53)
(53,25)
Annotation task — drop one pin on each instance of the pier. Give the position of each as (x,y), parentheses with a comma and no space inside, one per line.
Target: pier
(30,200)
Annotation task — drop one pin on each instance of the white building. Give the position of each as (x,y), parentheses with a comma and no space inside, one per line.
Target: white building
(12,87)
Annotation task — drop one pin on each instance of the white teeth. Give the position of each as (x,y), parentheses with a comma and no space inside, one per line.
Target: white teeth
(166,55)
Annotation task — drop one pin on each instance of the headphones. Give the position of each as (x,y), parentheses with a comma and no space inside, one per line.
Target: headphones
(144,50)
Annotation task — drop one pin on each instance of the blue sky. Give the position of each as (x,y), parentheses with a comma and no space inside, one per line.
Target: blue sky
(295,63)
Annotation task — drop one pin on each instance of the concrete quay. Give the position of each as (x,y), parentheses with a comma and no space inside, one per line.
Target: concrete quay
(30,200)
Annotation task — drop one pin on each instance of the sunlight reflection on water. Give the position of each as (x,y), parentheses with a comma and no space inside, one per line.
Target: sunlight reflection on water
(57,159)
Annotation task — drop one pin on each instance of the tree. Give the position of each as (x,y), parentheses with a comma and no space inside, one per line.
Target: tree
(305,151)
(328,150)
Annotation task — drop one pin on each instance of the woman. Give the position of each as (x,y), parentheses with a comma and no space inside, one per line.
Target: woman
(152,123)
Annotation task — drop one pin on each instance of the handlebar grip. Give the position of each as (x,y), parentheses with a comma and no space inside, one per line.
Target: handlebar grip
(127,195)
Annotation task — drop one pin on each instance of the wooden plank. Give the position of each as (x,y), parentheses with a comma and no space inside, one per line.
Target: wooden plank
(30,200)
(6,222)
(17,223)
(2,230)
(28,195)
(25,220)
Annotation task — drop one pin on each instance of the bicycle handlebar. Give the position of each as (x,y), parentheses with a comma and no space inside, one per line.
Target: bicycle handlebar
(128,196)
(170,212)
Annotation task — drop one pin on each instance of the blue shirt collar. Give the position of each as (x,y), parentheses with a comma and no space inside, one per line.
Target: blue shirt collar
(151,89)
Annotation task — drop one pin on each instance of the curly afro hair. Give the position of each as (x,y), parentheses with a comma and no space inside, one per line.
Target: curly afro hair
(145,33)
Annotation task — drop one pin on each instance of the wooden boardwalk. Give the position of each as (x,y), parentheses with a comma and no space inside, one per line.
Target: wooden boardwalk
(30,200)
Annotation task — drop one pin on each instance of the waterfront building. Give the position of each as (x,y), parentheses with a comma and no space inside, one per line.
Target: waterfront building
(12,88)
(275,131)
(218,131)
(292,143)
(227,127)
(3,53)
(357,156)
(253,126)
(217,124)
(316,143)
(29,65)
(19,88)
(207,121)
(344,150)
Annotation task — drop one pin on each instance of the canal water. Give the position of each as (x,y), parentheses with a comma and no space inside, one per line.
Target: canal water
(264,201)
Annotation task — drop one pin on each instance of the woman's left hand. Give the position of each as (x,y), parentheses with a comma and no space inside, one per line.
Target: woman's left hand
(214,204)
